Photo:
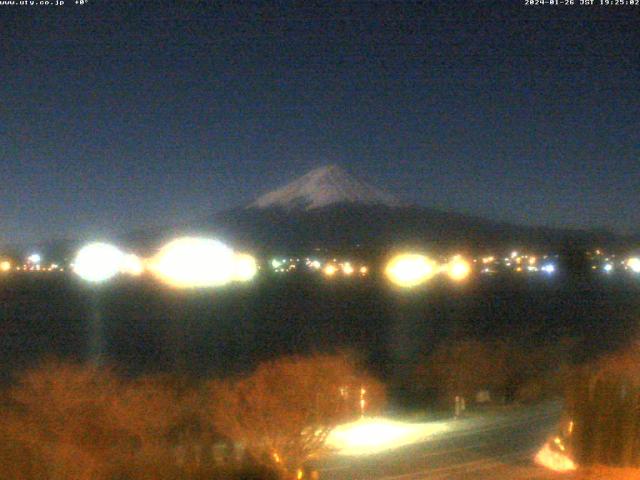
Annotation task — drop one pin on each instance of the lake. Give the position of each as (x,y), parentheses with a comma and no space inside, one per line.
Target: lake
(148,328)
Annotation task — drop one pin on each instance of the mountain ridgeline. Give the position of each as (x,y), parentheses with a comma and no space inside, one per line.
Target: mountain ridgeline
(330,209)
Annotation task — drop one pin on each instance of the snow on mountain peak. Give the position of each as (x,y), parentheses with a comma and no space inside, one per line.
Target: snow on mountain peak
(325,186)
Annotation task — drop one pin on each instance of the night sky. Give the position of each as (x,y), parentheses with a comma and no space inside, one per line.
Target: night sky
(116,114)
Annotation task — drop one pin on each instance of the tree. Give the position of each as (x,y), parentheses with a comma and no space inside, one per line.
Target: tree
(603,407)
(282,413)
(82,421)
(59,415)
(509,370)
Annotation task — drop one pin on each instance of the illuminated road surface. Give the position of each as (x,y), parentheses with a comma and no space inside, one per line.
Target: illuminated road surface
(495,446)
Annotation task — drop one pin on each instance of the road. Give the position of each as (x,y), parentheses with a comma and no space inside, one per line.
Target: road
(498,445)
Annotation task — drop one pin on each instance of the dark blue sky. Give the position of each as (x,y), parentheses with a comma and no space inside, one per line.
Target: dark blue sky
(121,114)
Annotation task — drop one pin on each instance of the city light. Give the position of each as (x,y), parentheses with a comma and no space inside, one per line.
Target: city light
(98,262)
(458,268)
(364,270)
(634,264)
(246,267)
(548,268)
(330,270)
(5,266)
(192,262)
(608,267)
(410,270)
(347,269)
(34,258)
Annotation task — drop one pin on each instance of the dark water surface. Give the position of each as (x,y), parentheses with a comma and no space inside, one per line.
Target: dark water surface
(148,328)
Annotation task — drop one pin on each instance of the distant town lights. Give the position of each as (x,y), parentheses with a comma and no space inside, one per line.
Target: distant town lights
(548,268)
(347,269)
(330,270)
(34,258)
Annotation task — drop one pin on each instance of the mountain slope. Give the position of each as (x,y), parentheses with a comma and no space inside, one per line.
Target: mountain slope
(329,209)
(329,185)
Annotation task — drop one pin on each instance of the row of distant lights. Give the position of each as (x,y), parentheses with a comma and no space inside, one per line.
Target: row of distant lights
(33,265)
(520,263)
(188,262)
(632,264)
(406,270)
(330,268)
(346,268)
(201,262)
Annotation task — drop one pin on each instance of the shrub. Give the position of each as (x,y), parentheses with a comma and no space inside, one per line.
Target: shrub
(603,402)
(283,412)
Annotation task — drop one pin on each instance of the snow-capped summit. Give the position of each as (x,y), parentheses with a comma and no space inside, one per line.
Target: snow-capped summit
(325,186)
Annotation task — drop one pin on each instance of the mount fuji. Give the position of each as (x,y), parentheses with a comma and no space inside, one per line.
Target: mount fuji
(330,209)
(325,186)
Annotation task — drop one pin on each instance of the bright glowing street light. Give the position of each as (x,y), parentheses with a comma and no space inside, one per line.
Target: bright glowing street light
(330,270)
(634,264)
(245,267)
(410,269)
(347,269)
(193,262)
(34,258)
(549,268)
(458,268)
(98,262)
(315,264)
(5,266)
